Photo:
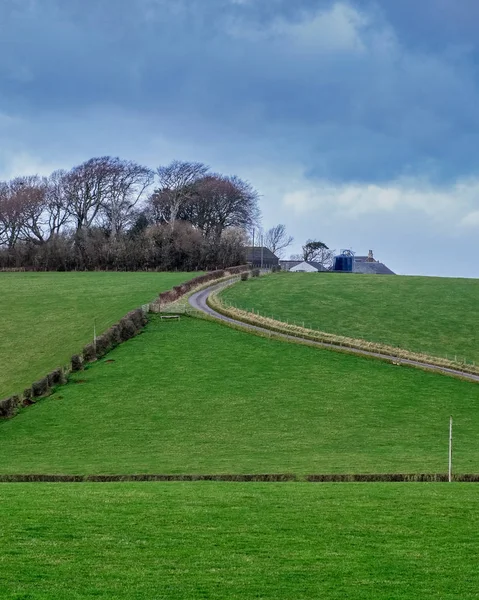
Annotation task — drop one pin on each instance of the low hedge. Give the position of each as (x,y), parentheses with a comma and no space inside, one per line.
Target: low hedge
(180,290)
(9,406)
(126,328)
(239,477)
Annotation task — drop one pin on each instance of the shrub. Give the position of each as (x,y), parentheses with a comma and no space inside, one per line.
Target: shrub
(9,407)
(89,353)
(40,387)
(236,270)
(244,276)
(255,273)
(103,344)
(77,362)
(56,377)
(114,334)
(137,317)
(128,329)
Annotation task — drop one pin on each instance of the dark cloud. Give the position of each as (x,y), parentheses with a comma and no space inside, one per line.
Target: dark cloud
(356,101)
(361,91)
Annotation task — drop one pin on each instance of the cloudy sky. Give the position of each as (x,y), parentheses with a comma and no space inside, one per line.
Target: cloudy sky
(357,121)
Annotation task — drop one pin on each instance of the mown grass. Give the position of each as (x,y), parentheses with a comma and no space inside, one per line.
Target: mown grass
(46,317)
(432,315)
(239,541)
(198,397)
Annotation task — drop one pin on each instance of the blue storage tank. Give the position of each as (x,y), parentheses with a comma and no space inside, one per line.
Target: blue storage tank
(344,262)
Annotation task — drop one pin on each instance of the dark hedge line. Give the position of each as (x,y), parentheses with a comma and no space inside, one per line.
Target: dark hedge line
(127,327)
(261,477)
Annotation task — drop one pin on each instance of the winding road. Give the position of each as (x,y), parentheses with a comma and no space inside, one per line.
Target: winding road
(199,299)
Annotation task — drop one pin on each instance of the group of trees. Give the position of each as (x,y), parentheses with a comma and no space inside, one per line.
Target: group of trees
(316,251)
(277,240)
(109,213)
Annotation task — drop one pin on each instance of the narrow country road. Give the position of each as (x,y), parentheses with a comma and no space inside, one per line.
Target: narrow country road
(199,299)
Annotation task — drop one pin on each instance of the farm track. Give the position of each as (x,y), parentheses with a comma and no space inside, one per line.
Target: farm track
(199,301)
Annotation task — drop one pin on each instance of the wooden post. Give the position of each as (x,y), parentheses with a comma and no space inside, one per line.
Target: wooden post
(450,450)
(94,334)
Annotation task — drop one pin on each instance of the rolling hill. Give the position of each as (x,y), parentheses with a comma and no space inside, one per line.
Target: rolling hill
(47,317)
(431,315)
(198,397)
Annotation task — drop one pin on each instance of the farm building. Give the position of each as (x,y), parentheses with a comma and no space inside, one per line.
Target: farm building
(260,256)
(287,265)
(307,266)
(346,261)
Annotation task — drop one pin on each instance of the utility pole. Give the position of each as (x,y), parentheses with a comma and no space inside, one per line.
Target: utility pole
(450,450)
(252,254)
(261,250)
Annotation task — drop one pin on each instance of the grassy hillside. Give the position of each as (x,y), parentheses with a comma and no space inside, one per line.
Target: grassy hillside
(47,317)
(438,316)
(239,541)
(198,397)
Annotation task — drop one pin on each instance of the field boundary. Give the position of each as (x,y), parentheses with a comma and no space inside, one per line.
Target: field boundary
(127,327)
(245,478)
(179,291)
(391,353)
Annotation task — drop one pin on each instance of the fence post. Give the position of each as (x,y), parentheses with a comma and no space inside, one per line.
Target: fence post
(450,450)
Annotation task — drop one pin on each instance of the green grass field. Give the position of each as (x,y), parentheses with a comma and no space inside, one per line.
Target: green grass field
(198,397)
(239,541)
(437,316)
(47,317)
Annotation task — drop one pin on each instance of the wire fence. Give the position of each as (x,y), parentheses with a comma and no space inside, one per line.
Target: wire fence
(303,325)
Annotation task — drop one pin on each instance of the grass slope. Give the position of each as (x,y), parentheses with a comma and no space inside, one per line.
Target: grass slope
(198,397)
(437,316)
(47,317)
(239,541)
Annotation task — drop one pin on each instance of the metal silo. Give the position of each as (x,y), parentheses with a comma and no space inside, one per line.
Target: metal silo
(344,262)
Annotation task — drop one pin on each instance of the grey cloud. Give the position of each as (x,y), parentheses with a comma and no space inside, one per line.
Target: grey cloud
(369,93)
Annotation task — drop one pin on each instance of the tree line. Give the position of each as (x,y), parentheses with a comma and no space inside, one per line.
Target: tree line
(109,213)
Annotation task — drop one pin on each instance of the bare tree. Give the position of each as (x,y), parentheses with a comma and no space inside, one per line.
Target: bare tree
(31,192)
(88,187)
(222,202)
(23,210)
(175,188)
(277,240)
(128,182)
(57,207)
(317,251)
(11,215)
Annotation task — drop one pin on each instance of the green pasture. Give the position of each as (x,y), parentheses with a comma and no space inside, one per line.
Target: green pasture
(47,317)
(198,397)
(435,315)
(239,541)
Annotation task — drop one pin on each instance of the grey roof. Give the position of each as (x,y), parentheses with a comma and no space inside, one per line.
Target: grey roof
(372,268)
(289,264)
(286,265)
(255,254)
(316,265)
(363,259)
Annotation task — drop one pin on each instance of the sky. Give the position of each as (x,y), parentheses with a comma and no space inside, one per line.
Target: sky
(357,121)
